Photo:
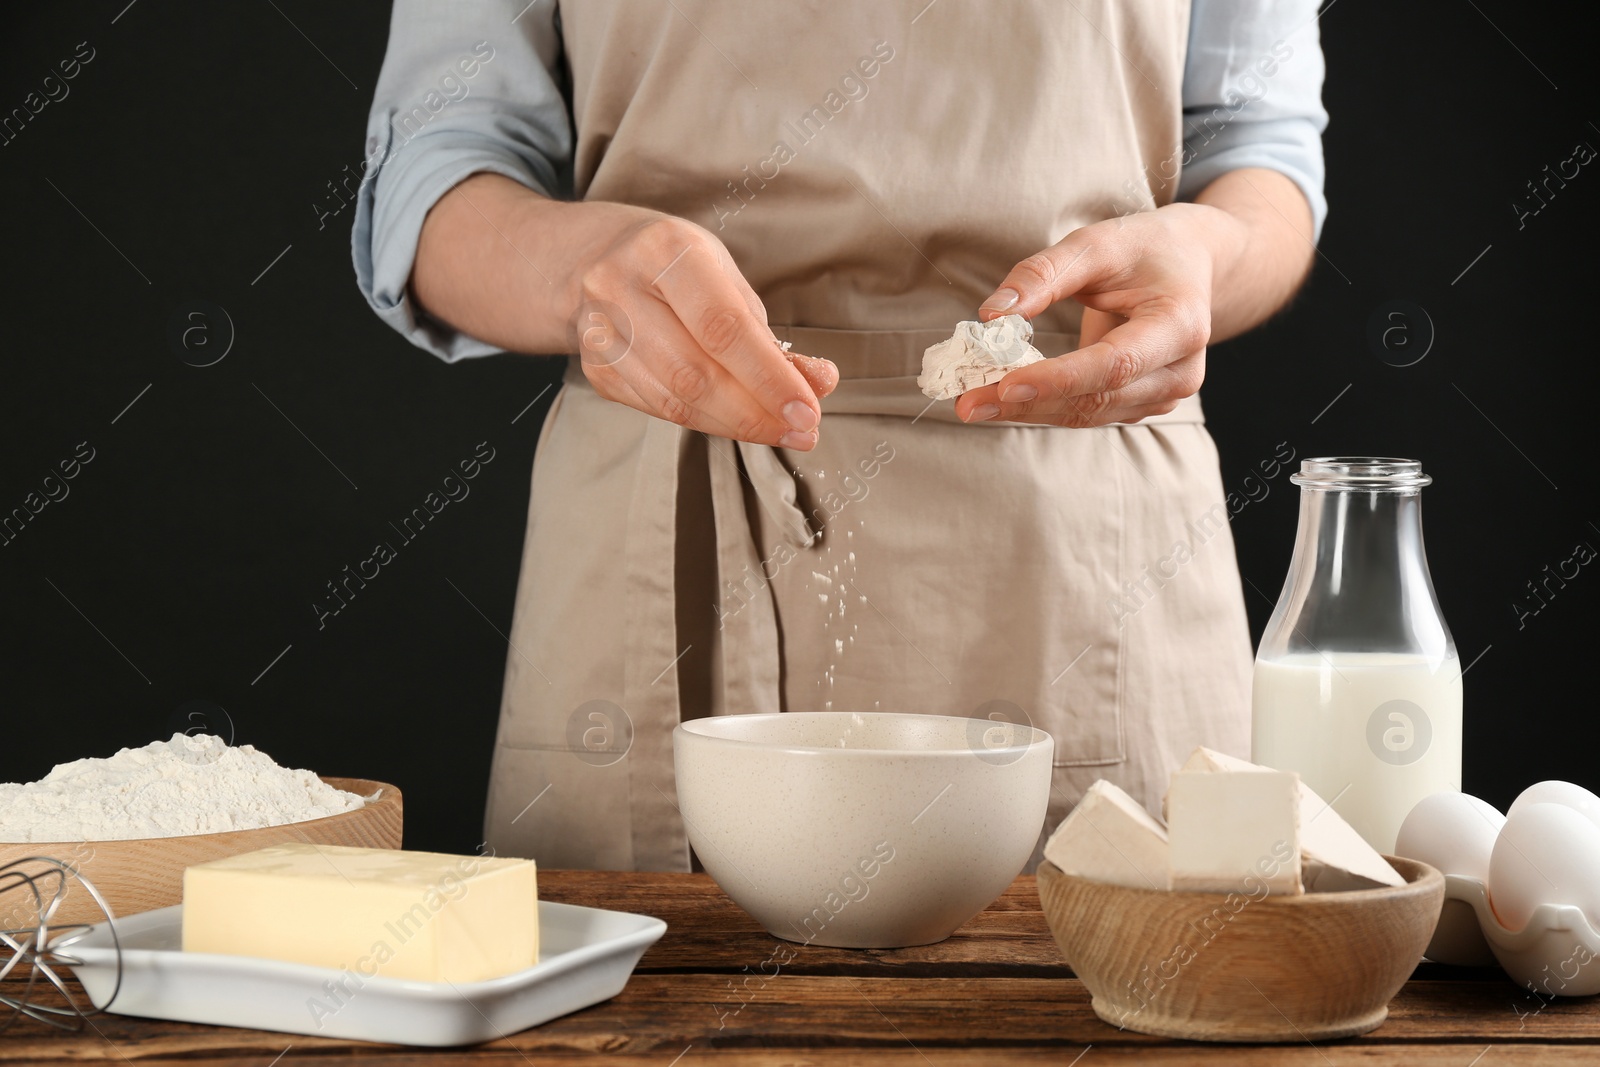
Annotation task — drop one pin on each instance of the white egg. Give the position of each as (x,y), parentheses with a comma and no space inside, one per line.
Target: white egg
(1553,792)
(1453,832)
(1546,854)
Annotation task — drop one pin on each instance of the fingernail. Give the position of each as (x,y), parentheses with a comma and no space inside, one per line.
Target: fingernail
(799,415)
(1017,394)
(983,412)
(800,442)
(1002,300)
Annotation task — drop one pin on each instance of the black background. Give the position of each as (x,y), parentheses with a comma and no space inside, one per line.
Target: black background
(187,555)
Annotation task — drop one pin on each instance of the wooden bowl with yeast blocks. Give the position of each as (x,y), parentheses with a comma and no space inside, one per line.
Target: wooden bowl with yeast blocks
(1233,967)
(1254,913)
(147,873)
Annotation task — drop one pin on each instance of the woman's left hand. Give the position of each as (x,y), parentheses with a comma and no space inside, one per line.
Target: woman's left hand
(1145,281)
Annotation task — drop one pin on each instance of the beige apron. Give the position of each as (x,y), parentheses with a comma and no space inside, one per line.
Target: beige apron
(875,169)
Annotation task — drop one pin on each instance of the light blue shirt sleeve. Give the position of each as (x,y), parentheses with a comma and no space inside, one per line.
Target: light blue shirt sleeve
(477,85)
(466,86)
(1252,95)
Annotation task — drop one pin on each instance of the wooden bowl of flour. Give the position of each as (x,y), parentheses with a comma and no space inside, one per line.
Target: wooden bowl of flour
(147,873)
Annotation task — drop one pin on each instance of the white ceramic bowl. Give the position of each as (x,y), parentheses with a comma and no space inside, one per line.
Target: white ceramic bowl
(862,830)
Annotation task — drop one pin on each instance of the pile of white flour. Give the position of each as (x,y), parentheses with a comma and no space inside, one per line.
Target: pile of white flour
(189,784)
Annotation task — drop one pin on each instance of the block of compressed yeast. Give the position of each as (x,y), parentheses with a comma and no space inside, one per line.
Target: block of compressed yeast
(1336,857)
(1234,833)
(979,353)
(418,915)
(1109,837)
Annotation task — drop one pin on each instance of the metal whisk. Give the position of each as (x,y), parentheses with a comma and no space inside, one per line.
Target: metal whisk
(31,891)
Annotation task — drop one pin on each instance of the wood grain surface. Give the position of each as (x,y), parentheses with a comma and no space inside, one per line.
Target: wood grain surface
(997,992)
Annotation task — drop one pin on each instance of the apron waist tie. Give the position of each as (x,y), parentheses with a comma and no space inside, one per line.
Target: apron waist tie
(878,374)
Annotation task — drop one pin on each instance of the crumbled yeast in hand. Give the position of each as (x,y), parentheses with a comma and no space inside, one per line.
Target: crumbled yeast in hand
(980,353)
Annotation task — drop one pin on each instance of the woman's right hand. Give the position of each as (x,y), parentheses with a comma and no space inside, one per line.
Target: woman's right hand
(654,304)
(667,324)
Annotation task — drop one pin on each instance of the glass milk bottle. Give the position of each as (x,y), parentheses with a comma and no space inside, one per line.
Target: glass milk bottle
(1357,682)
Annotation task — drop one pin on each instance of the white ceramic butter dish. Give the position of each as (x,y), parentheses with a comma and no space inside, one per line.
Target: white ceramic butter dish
(586,956)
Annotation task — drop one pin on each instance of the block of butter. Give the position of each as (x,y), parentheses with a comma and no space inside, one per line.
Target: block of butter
(1234,833)
(1109,837)
(416,915)
(1336,856)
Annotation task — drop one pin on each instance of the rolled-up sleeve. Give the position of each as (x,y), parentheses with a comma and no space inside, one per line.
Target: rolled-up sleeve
(1252,95)
(467,86)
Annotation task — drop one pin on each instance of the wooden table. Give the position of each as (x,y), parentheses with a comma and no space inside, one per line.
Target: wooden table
(997,992)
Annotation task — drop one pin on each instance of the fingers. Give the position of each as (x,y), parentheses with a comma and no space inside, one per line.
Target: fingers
(714,311)
(699,351)
(1146,291)
(668,375)
(1162,336)
(1095,324)
(1101,409)
(731,269)
(1156,337)
(1051,275)
(821,374)
(1161,386)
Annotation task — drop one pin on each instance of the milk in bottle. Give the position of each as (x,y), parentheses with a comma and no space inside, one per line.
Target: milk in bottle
(1357,681)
